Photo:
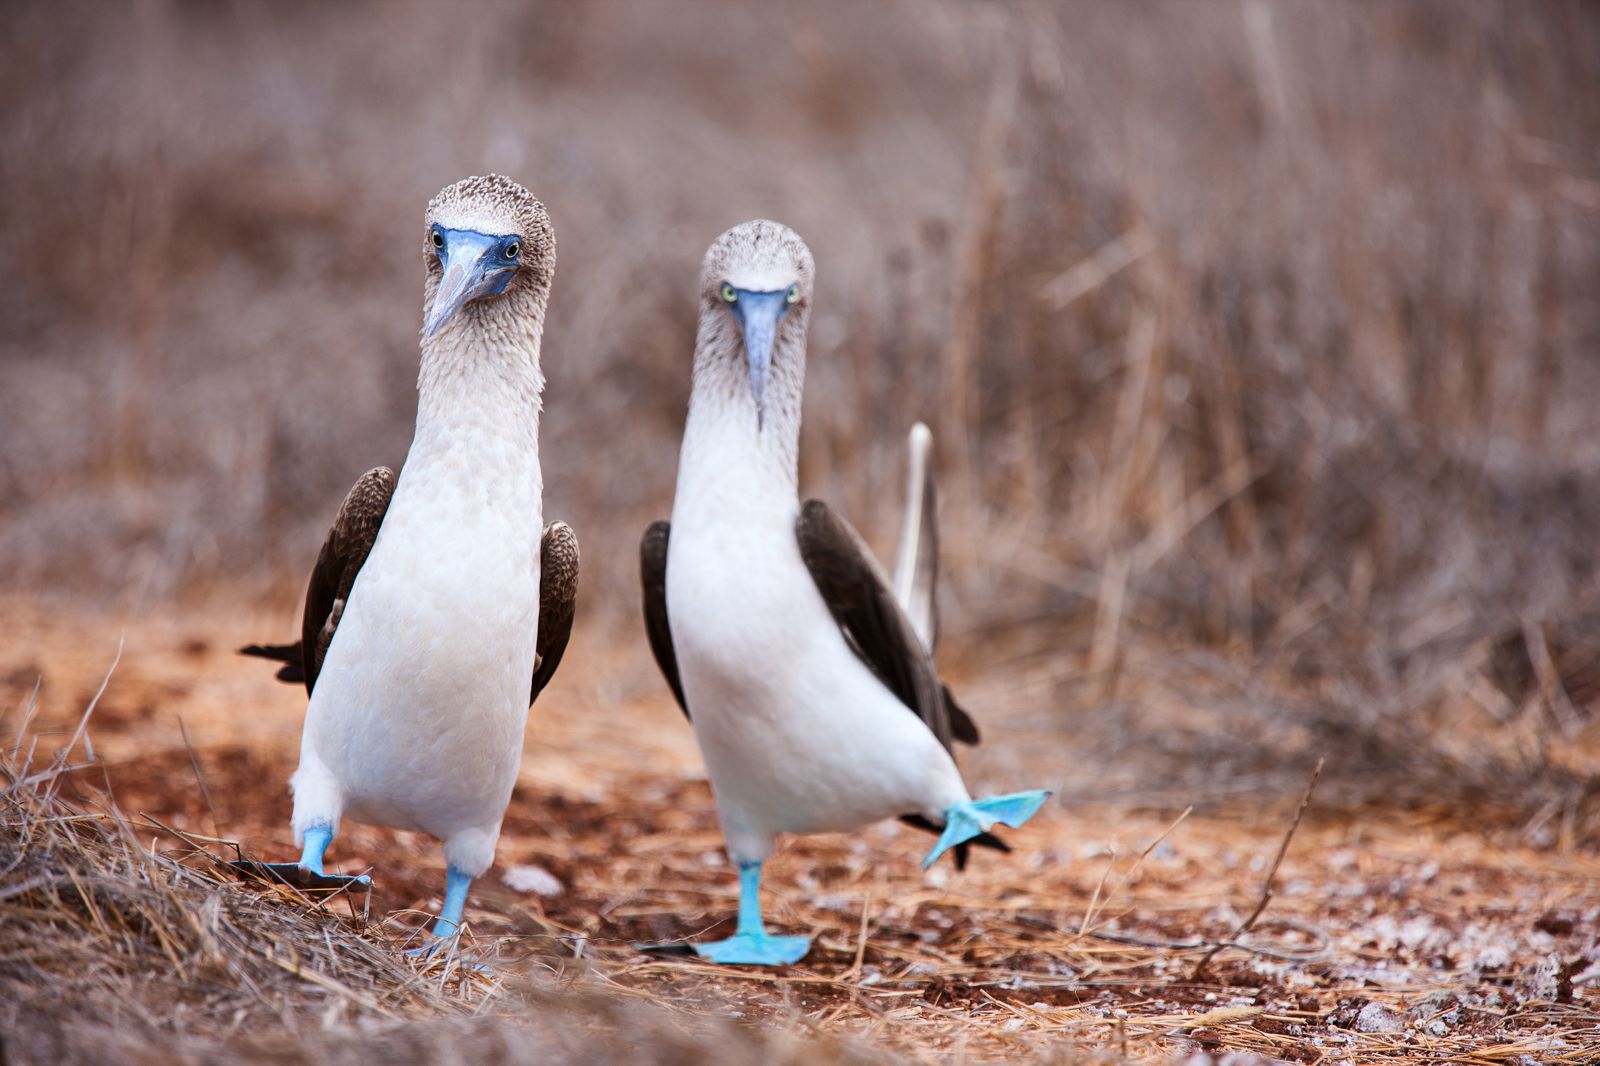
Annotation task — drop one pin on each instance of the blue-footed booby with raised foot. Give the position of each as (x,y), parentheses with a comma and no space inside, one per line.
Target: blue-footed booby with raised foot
(435,598)
(812,694)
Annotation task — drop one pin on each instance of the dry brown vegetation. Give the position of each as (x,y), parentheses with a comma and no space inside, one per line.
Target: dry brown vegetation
(1258,341)
(1392,933)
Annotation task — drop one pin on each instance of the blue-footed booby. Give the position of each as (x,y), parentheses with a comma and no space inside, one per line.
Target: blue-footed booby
(435,598)
(811,691)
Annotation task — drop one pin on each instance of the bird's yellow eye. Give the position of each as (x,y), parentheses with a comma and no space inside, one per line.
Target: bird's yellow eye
(438,239)
(793,295)
(728,294)
(513,250)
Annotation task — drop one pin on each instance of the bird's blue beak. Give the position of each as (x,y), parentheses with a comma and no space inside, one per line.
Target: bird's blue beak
(475,265)
(758,315)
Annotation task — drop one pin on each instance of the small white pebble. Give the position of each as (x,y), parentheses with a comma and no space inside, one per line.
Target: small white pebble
(1376,1018)
(534,879)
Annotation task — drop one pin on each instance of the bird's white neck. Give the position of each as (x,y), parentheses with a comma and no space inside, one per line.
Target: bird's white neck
(479,387)
(725,453)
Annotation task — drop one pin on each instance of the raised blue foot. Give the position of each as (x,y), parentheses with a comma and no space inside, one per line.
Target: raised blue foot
(751,945)
(967,819)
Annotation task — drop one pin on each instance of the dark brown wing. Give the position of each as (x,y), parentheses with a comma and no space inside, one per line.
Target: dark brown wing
(558,601)
(875,626)
(877,629)
(350,540)
(653,576)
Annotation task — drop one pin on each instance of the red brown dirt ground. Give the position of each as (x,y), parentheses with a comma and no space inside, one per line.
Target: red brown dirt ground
(1424,934)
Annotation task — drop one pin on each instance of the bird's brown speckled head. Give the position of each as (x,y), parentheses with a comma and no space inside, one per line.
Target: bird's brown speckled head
(755,303)
(487,241)
(493,203)
(758,256)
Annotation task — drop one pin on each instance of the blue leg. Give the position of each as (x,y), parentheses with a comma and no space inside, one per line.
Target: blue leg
(456,884)
(750,943)
(967,819)
(318,837)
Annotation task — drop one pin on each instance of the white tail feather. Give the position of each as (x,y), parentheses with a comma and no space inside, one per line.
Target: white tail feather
(916,569)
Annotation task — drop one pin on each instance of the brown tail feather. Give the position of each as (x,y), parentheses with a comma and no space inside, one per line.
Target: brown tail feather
(294,667)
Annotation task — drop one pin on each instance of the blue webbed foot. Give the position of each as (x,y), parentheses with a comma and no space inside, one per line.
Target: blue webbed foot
(292,873)
(756,949)
(967,819)
(750,944)
(307,874)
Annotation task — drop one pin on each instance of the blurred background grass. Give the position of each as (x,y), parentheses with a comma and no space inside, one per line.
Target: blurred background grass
(1262,332)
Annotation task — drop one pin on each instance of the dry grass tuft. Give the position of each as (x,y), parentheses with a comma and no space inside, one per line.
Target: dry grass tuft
(101,924)
(1382,936)
(114,949)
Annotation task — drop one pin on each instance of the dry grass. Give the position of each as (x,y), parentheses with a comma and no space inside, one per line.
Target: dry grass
(117,949)
(1083,946)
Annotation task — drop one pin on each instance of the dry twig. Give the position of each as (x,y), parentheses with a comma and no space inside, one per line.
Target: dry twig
(1266,885)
